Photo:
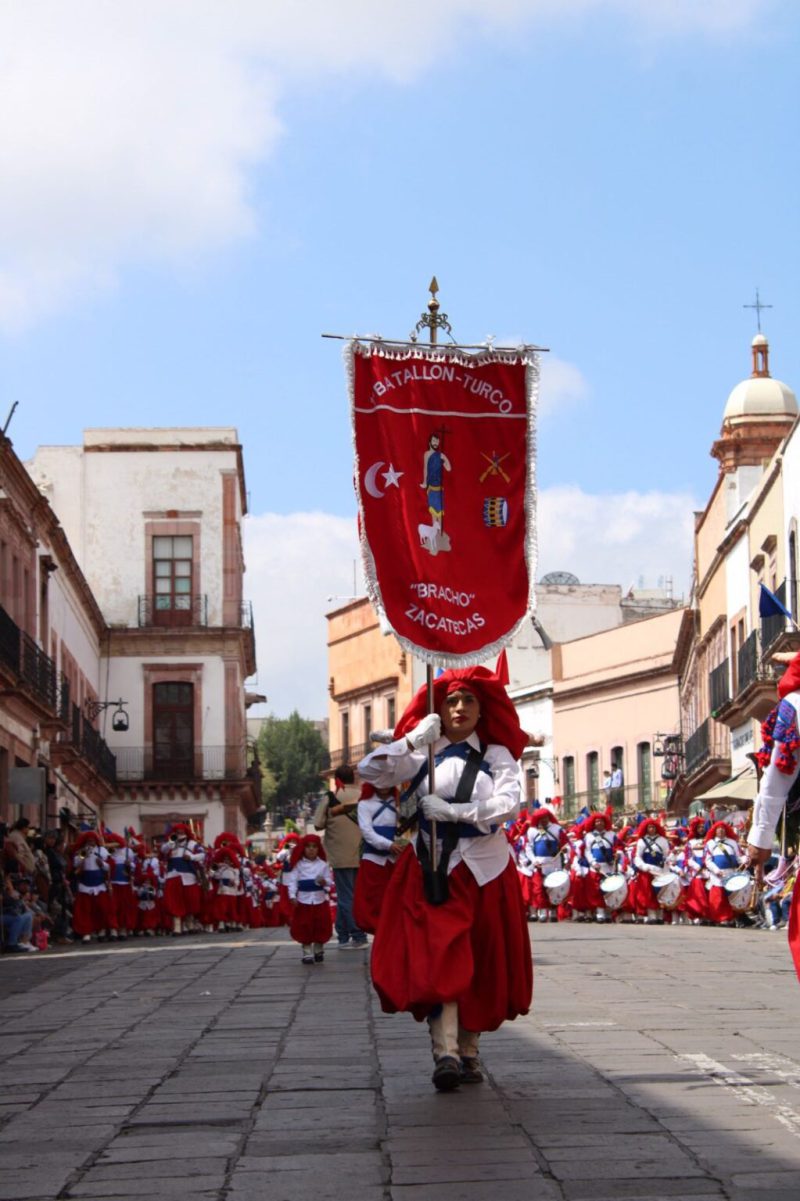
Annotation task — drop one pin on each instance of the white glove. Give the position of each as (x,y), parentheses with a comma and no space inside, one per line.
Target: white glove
(437,810)
(428,731)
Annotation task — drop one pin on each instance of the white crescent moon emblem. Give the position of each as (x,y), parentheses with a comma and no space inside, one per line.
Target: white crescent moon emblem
(369,480)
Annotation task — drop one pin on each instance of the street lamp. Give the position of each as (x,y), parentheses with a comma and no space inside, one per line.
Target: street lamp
(120,721)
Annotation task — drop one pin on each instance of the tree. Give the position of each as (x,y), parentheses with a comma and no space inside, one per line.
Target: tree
(293,753)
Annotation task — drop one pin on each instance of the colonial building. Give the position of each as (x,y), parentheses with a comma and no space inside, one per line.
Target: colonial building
(616,705)
(370,680)
(154,518)
(746,536)
(52,756)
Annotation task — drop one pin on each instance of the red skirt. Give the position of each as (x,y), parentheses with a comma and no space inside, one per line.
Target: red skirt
(577,892)
(311,923)
(372,881)
(642,894)
(226,909)
(696,899)
(719,907)
(473,950)
(593,894)
(538,893)
(150,919)
(92,913)
(126,906)
(284,905)
(181,900)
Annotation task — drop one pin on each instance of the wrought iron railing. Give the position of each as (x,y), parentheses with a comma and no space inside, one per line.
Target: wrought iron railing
(85,740)
(33,669)
(719,688)
(348,754)
(698,746)
(173,610)
(747,662)
(176,764)
(772,627)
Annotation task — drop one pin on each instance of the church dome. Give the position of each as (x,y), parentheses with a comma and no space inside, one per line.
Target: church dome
(760,398)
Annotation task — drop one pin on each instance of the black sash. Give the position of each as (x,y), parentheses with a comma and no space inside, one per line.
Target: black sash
(435,883)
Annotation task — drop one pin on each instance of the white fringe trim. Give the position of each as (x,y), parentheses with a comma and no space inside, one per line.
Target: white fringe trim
(530,360)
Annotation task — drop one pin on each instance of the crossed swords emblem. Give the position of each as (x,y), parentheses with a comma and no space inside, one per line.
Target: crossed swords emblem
(494,460)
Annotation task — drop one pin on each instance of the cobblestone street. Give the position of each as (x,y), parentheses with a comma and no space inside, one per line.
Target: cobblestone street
(656,1063)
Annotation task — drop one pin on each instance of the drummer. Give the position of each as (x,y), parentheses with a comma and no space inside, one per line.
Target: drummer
(723,859)
(649,860)
(600,851)
(544,840)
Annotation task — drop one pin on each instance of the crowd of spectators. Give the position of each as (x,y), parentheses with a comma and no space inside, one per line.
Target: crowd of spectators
(35,897)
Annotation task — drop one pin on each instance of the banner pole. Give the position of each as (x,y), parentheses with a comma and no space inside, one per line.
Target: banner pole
(432,321)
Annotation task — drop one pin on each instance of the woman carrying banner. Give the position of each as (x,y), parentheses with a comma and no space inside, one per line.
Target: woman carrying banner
(452,944)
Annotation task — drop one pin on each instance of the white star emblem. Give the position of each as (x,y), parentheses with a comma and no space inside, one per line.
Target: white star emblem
(392,477)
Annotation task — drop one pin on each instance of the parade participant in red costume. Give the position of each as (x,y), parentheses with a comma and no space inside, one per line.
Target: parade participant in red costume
(600,851)
(124,869)
(544,841)
(377,820)
(309,882)
(723,859)
(184,858)
(283,859)
(226,875)
(691,866)
(93,908)
(650,854)
(462,962)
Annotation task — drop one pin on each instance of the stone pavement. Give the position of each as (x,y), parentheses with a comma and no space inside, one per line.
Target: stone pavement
(657,1063)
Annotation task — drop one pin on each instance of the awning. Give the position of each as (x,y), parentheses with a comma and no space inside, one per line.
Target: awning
(741,787)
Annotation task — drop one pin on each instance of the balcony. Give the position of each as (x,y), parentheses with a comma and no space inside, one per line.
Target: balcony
(349,754)
(32,673)
(719,688)
(635,798)
(169,611)
(747,663)
(698,747)
(773,627)
(180,765)
(81,747)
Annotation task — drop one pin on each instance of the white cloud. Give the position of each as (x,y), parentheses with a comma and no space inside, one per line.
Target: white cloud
(132,126)
(617,539)
(297,562)
(562,385)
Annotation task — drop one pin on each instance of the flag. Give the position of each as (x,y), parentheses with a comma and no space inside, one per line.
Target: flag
(501,668)
(769,605)
(444,450)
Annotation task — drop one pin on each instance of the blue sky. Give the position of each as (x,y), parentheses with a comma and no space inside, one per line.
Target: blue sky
(194,192)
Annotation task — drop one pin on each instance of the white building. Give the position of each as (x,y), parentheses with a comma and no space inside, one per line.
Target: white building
(154,518)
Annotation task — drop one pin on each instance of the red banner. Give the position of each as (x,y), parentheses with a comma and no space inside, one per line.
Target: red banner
(444,447)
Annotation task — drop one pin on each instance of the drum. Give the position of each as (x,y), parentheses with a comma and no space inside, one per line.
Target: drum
(739,888)
(495,511)
(557,885)
(667,887)
(615,890)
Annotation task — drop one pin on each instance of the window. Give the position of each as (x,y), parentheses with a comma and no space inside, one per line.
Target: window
(172,579)
(345,736)
(568,772)
(173,731)
(367,722)
(593,775)
(644,774)
(391,711)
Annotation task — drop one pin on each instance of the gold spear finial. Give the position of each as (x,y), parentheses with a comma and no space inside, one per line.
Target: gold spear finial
(433,288)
